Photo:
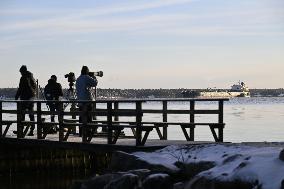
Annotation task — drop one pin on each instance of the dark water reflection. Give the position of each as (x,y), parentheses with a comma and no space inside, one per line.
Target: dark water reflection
(62,179)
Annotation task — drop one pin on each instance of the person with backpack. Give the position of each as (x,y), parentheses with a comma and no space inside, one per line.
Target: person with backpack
(26,91)
(53,91)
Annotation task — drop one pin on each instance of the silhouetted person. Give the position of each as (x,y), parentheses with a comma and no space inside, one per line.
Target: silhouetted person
(84,85)
(53,91)
(27,91)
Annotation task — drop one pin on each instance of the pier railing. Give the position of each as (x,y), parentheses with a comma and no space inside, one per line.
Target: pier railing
(110,117)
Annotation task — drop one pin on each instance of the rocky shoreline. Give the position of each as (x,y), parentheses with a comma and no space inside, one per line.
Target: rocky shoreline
(211,166)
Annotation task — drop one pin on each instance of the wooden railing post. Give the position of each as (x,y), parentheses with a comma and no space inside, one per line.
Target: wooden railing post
(94,107)
(109,122)
(20,132)
(60,120)
(1,119)
(39,121)
(165,119)
(192,114)
(221,111)
(116,106)
(221,120)
(138,123)
(84,116)
(192,119)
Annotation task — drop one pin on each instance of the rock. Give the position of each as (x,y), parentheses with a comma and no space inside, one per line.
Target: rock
(141,173)
(76,185)
(189,170)
(122,161)
(158,181)
(282,184)
(281,155)
(99,182)
(232,158)
(213,183)
(179,185)
(126,181)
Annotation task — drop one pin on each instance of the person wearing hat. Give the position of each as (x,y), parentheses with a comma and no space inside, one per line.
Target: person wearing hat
(53,91)
(26,91)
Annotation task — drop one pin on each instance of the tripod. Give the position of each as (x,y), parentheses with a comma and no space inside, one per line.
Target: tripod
(71,95)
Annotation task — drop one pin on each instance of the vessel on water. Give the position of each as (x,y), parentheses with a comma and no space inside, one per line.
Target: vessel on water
(237,90)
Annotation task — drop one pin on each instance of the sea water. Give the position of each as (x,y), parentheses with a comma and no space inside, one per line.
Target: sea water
(254,119)
(247,120)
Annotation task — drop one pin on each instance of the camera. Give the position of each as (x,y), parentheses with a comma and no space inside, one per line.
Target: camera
(71,77)
(94,74)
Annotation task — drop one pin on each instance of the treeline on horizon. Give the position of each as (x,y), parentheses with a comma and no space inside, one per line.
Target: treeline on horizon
(146,93)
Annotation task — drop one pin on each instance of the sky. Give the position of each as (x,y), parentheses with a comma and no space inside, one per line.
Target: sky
(145,43)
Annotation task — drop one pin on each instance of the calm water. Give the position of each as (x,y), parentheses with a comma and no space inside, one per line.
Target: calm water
(247,119)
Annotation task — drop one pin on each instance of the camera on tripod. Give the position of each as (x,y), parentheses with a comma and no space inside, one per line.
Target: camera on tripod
(94,74)
(71,77)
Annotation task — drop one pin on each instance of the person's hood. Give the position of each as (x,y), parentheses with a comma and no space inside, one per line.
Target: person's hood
(51,81)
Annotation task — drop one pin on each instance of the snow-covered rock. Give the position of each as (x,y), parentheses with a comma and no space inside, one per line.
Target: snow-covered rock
(210,166)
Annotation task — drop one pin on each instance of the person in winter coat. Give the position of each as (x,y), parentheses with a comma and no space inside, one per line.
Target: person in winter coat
(26,91)
(53,91)
(84,85)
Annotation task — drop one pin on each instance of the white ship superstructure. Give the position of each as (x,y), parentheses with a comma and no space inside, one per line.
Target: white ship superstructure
(237,90)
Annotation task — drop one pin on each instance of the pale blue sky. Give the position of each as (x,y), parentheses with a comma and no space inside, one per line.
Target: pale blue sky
(145,43)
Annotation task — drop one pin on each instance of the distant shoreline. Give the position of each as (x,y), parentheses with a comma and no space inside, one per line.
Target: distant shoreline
(154,93)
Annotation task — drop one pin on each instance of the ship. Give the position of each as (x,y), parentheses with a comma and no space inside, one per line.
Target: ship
(237,90)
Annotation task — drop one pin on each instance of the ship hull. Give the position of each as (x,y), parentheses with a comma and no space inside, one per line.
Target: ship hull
(224,94)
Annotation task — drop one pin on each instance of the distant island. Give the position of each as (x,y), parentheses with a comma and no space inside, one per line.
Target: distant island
(9,93)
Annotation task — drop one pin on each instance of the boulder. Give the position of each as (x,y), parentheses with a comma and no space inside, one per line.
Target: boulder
(281,155)
(215,183)
(179,185)
(189,170)
(122,161)
(100,182)
(158,181)
(126,181)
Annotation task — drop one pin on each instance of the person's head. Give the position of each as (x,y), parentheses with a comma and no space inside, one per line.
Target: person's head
(85,70)
(23,69)
(53,77)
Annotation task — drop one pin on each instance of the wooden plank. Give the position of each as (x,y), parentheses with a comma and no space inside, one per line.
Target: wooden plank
(165,119)
(138,122)
(1,119)
(20,133)
(116,107)
(192,108)
(181,111)
(185,132)
(221,111)
(60,120)
(214,134)
(109,122)
(9,111)
(39,122)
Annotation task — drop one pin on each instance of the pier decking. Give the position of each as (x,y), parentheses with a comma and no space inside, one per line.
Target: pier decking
(110,117)
(77,145)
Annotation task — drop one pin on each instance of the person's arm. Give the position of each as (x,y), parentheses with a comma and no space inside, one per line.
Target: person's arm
(92,82)
(19,91)
(60,91)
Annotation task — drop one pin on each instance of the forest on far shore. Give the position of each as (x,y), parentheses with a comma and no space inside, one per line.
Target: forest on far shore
(9,93)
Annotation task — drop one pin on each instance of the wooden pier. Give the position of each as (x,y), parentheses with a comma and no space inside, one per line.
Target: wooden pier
(78,145)
(111,118)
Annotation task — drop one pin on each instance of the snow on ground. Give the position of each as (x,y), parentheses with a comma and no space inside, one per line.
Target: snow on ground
(233,161)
